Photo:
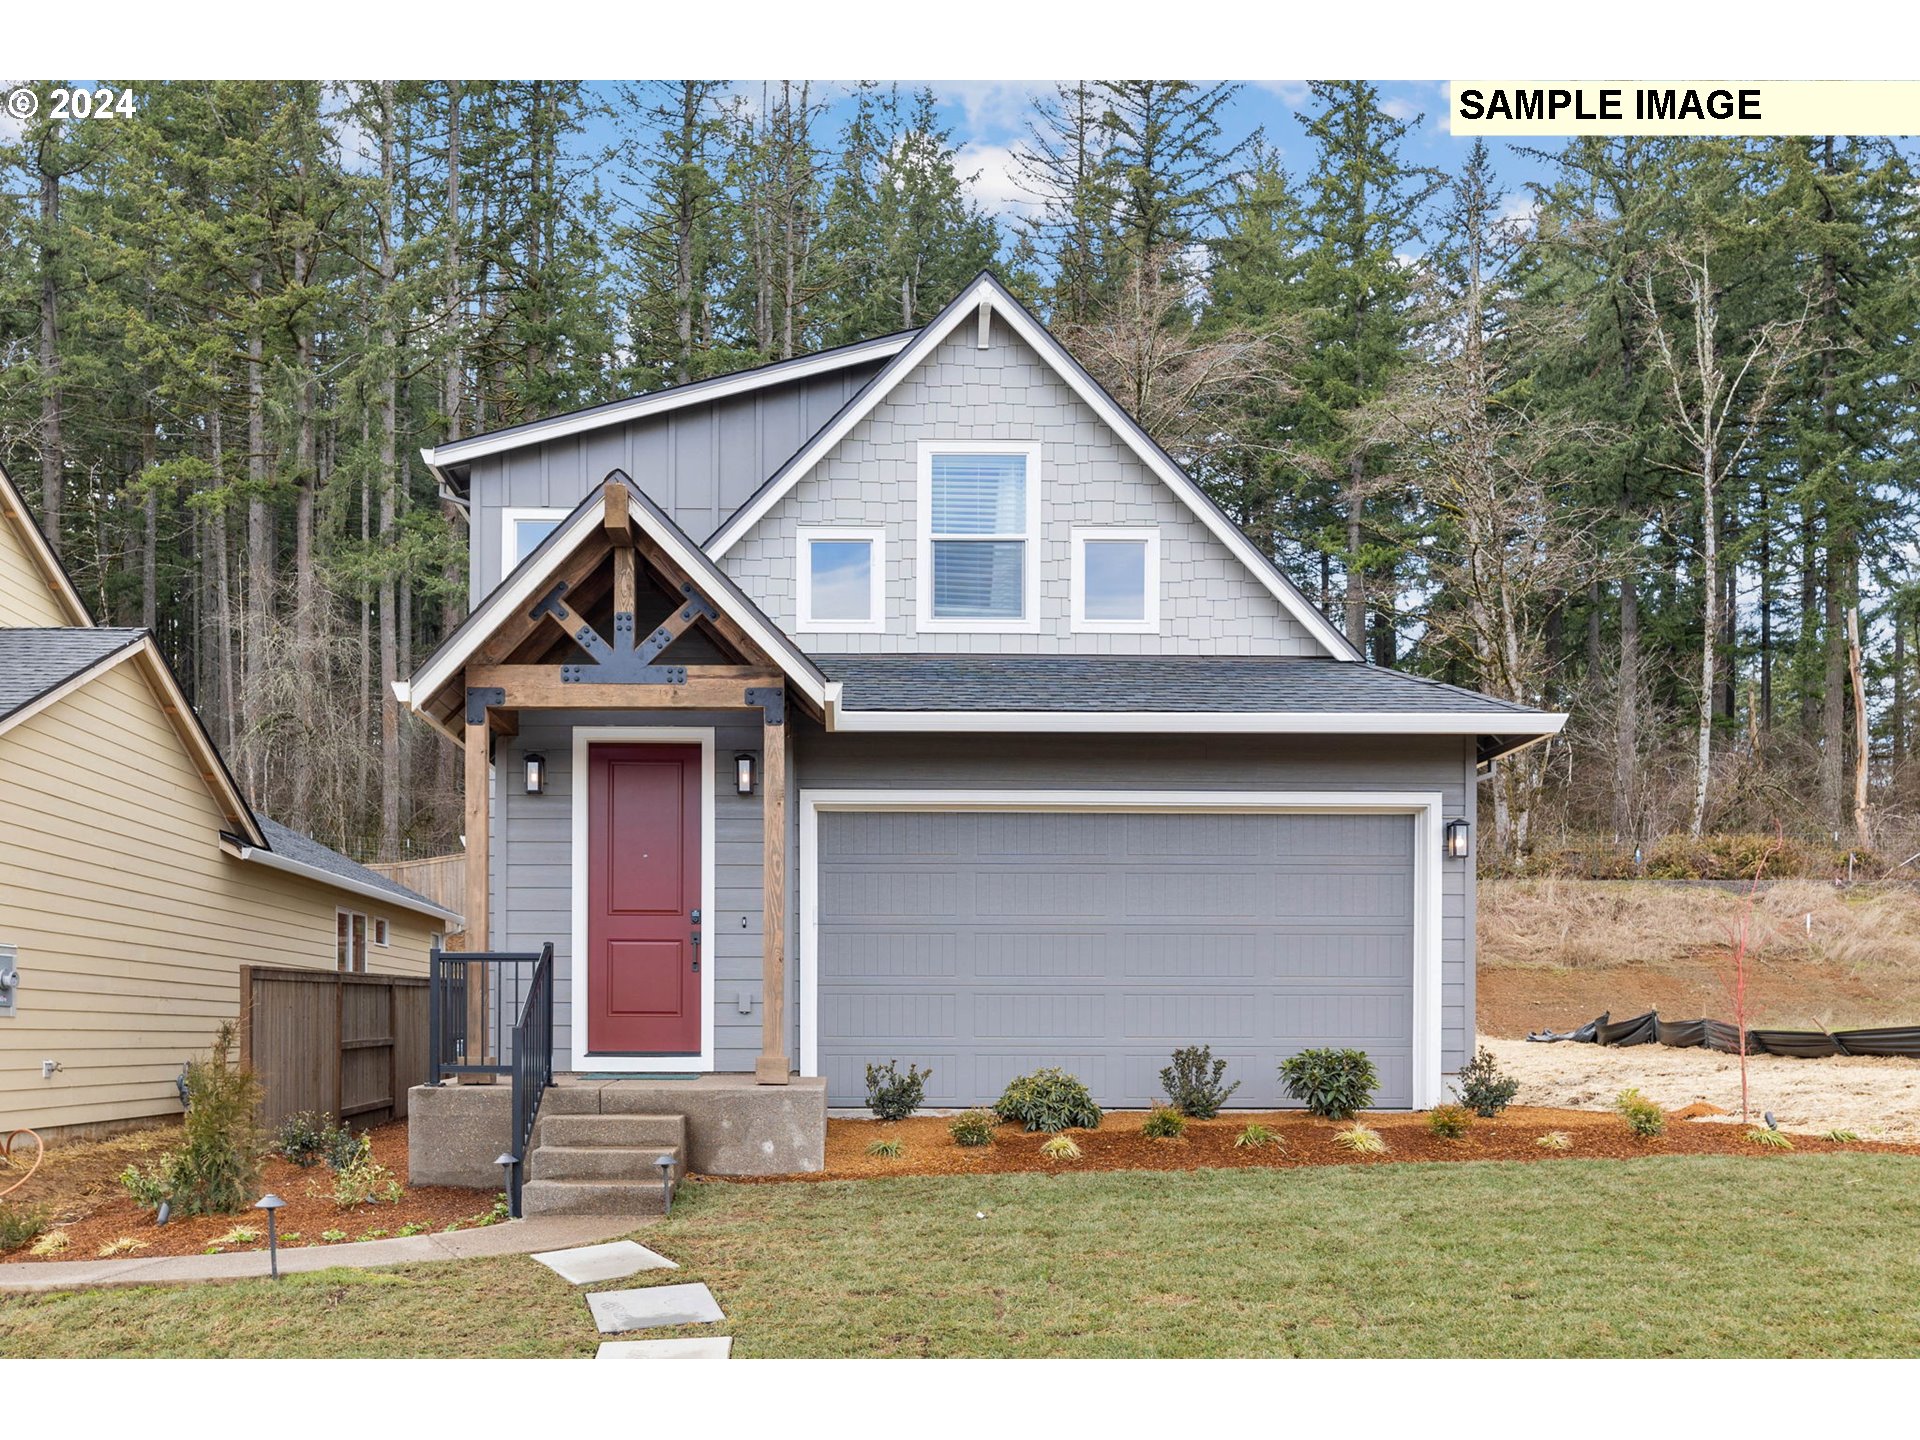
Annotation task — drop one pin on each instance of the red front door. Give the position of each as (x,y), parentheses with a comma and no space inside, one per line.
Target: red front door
(643,899)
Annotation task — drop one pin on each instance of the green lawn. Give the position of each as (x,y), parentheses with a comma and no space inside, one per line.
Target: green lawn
(1789,1255)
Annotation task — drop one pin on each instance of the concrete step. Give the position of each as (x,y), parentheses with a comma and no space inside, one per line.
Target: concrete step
(602,1162)
(564,1129)
(591,1197)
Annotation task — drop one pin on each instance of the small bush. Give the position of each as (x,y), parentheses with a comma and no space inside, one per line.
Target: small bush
(1643,1117)
(893,1096)
(125,1245)
(1449,1122)
(1061,1147)
(216,1170)
(241,1235)
(18,1225)
(333,1237)
(305,1139)
(974,1127)
(364,1180)
(1555,1140)
(147,1187)
(1360,1140)
(1333,1084)
(1769,1139)
(1484,1088)
(291,1237)
(1192,1082)
(1842,1137)
(415,1227)
(1163,1122)
(499,1213)
(888,1149)
(1257,1137)
(54,1242)
(1050,1100)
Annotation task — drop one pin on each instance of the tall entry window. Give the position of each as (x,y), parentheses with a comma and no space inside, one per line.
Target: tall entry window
(980,512)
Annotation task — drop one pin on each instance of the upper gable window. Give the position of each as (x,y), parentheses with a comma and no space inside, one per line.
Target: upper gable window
(1116,580)
(979,519)
(842,579)
(521,532)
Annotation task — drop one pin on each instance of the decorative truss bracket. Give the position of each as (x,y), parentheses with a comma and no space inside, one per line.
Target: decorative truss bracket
(770,698)
(479,698)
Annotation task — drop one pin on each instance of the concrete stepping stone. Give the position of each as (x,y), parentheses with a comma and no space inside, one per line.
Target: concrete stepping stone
(615,1311)
(614,1261)
(691,1347)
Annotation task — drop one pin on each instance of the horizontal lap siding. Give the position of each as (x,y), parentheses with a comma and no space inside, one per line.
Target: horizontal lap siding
(25,597)
(533,875)
(1223,763)
(132,923)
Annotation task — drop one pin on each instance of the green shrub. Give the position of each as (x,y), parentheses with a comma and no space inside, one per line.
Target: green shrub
(303,1138)
(241,1235)
(364,1180)
(1048,1100)
(1360,1140)
(1449,1122)
(1769,1139)
(148,1187)
(1163,1122)
(1333,1084)
(216,1168)
(1192,1082)
(414,1227)
(1061,1147)
(19,1225)
(1643,1117)
(891,1148)
(893,1096)
(1484,1088)
(974,1127)
(1257,1137)
(333,1237)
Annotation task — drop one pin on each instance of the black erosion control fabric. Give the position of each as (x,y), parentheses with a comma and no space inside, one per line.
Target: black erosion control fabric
(1899,1042)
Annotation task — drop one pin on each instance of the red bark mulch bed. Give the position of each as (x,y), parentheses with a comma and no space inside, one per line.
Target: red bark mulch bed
(93,1211)
(1207,1144)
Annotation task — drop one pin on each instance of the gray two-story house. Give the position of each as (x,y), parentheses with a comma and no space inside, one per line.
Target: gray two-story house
(906,701)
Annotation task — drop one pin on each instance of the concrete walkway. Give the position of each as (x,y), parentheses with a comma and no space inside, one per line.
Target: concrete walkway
(511,1237)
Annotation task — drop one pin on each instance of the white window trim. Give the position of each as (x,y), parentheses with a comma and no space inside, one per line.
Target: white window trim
(584,1059)
(876,621)
(366,921)
(925,619)
(1147,535)
(1426,807)
(510,519)
(382,932)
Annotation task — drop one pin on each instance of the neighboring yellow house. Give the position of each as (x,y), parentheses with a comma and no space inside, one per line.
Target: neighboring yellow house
(134,878)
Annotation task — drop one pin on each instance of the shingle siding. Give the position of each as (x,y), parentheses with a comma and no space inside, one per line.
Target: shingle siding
(1209,602)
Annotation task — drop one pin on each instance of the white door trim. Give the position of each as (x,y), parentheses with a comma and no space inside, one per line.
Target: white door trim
(583,737)
(1425,807)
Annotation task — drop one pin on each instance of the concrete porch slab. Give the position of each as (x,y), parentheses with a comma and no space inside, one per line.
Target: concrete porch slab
(693,1347)
(614,1261)
(615,1311)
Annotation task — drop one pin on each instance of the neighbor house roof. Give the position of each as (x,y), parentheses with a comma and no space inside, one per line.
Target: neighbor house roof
(35,664)
(449,462)
(1166,692)
(303,855)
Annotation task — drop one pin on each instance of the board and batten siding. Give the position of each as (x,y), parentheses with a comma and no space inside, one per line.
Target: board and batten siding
(1210,604)
(25,596)
(533,869)
(699,463)
(1227,763)
(131,922)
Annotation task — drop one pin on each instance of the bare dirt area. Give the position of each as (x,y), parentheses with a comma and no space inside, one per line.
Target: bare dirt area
(926,1148)
(78,1187)
(1875,1098)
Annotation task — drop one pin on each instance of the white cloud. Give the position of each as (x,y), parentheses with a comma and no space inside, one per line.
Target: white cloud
(1290,92)
(1521,209)
(1401,108)
(996,187)
(991,107)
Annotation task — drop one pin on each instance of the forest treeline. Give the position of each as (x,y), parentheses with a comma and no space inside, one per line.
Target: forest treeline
(1636,443)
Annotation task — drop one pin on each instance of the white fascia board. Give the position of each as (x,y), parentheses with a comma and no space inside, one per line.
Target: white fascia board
(519,590)
(1178,722)
(275,861)
(458,452)
(984,292)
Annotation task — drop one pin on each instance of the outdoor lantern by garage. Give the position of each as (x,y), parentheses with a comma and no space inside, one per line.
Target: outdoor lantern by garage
(1457,840)
(536,774)
(743,771)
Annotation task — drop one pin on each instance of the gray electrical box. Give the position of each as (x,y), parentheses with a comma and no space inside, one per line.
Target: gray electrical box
(9,982)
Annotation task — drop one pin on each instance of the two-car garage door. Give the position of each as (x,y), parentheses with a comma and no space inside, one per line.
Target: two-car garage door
(987,943)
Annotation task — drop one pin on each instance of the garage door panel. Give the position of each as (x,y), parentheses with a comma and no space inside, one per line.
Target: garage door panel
(1102,942)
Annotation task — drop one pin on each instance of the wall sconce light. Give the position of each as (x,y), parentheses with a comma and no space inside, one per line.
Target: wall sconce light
(1457,842)
(536,774)
(743,771)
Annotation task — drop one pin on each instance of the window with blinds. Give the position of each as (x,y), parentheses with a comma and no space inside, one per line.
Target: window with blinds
(979,521)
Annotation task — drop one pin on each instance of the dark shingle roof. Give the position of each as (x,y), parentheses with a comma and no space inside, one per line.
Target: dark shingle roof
(34,661)
(292,845)
(1170,683)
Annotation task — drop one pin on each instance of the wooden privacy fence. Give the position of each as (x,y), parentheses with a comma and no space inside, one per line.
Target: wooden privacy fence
(441,878)
(348,1045)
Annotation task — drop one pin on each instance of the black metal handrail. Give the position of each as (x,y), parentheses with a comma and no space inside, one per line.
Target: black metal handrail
(532,1069)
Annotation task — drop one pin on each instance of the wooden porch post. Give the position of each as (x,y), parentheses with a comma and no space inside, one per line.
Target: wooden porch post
(478,934)
(772,1067)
